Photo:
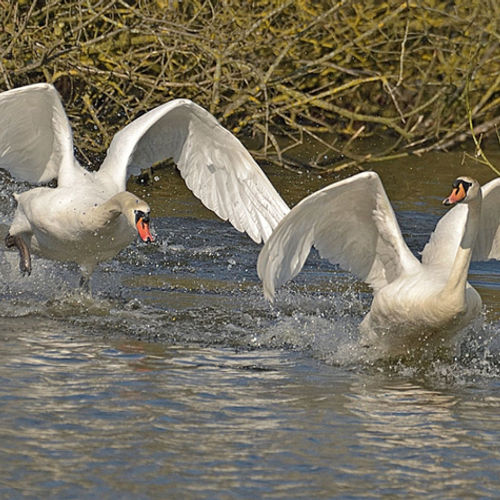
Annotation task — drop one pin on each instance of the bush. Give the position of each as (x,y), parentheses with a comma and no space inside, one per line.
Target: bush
(271,69)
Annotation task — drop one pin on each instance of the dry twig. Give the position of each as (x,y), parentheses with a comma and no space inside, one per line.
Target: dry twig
(289,68)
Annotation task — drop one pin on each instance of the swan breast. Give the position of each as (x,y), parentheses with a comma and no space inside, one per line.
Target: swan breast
(416,311)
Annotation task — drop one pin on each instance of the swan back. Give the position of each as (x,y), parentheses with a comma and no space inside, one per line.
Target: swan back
(36,142)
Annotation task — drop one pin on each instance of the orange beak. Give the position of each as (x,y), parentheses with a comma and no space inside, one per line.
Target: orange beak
(144,230)
(457,195)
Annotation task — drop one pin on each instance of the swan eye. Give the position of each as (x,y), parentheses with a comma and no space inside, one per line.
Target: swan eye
(466,185)
(141,216)
(460,184)
(459,192)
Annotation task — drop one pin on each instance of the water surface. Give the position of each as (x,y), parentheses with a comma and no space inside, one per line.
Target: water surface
(177,380)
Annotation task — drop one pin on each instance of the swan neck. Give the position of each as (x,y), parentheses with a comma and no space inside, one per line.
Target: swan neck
(113,205)
(460,269)
(107,212)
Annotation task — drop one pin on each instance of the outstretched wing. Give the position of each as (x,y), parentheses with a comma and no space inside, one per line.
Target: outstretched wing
(213,162)
(444,241)
(351,223)
(488,237)
(35,135)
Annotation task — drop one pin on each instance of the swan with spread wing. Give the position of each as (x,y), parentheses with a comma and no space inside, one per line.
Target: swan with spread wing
(89,217)
(415,303)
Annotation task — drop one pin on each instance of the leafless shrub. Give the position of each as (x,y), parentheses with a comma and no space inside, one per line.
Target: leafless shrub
(405,69)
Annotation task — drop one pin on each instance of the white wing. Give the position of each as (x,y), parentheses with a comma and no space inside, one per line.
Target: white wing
(444,241)
(488,239)
(213,162)
(351,223)
(35,135)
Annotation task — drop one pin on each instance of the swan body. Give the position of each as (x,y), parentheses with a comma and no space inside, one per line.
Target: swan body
(53,227)
(89,217)
(416,304)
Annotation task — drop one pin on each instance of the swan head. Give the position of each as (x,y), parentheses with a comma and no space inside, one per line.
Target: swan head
(137,213)
(464,190)
(142,221)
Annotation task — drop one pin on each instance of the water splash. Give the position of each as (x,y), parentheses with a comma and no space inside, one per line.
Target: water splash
(197,285)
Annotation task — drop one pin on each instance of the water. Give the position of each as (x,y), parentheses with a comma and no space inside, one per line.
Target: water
(177,380)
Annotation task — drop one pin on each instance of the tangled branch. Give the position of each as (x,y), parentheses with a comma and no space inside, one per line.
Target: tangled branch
(281,71)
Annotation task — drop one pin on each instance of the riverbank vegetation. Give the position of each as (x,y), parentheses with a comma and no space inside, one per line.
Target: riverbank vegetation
(422,73)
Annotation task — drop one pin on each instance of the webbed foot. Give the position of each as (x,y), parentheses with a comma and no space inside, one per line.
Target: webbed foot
(24,252)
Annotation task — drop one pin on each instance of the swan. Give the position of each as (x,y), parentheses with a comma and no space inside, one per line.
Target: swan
(89,217)
(417,305)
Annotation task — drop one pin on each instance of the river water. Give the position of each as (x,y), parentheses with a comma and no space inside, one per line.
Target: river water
(177,380)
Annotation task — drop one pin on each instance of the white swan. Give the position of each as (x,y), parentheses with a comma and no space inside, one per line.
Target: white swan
(415,304)
(89,217)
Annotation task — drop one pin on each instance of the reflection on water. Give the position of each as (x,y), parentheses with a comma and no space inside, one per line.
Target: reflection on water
(177,380)
(416,432)
(85,417)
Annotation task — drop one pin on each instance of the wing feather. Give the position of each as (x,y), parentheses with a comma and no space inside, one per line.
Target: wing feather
(213,162)
(36,143)
(488,239)
(351,223)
